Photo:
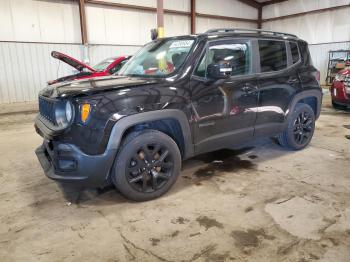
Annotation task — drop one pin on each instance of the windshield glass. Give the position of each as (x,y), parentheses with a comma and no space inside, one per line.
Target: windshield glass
(104,64)
(158,58)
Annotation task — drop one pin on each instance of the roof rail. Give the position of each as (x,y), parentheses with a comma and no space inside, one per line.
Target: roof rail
(234,30)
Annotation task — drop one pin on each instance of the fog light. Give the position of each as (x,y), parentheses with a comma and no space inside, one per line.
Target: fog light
(67,165)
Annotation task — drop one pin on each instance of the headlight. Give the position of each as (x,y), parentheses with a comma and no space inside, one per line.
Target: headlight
(339,77)
(69,111)
(64,113)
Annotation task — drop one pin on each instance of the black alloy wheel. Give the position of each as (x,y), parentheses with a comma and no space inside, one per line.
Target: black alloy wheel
(150,168)
(147,165)
(302,128)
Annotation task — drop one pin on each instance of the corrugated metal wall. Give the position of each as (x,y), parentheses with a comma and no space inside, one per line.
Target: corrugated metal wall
(324,31)
(40,21)
(225,8)
(319,54)
(26,67)
(204,24)
(99,52)
(297,6)
(325,27)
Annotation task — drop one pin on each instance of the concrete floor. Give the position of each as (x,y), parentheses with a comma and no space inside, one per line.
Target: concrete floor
(255,204)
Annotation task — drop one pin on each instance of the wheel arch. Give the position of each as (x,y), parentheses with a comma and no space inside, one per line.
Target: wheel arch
(172,122)
(311,97)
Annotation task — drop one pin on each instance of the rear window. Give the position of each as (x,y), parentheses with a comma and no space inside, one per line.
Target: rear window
(295,52)
(273,55)
(305,54)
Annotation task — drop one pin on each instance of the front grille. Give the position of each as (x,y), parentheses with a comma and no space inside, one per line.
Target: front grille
(47,109)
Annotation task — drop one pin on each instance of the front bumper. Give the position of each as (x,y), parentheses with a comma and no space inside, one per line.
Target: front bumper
(66,163)
(339,94)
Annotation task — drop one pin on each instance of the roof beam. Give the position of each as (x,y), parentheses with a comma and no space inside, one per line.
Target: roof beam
(227,18)
(135,7)
(272,2)
(251,3)
(82,17)
(306,13)
(257,5)
(260,10)
(152,9)
(193,16)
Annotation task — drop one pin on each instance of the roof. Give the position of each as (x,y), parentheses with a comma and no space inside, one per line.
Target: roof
(238,32)
(255,32)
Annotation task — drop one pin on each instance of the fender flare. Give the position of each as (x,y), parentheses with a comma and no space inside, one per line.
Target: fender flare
(305,94)
(126,122)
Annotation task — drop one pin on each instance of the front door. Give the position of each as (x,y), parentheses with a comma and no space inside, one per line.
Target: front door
(224,110)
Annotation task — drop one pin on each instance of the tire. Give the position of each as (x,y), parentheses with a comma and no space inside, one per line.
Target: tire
(300,129)
(147,165)
(337,106)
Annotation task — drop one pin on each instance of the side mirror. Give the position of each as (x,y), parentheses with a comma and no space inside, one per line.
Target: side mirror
(220,70)
(154,34)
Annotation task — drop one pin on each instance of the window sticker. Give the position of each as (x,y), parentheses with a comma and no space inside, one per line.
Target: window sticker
(181,43)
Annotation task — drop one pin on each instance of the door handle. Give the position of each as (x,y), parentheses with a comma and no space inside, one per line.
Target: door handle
(249,89)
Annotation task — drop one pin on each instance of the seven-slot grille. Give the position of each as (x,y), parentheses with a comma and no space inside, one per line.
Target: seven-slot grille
(47,110)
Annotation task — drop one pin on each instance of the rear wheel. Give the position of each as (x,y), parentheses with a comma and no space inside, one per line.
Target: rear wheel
(300,128)
(147,165)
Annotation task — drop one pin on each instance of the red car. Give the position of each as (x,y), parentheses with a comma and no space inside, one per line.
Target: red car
(107,67)
(340,89)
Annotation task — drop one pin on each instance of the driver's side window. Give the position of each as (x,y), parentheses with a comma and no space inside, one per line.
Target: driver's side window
(238,54)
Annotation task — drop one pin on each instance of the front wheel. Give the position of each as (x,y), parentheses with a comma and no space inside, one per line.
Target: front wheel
(337,106)
(147,165)
(300,128)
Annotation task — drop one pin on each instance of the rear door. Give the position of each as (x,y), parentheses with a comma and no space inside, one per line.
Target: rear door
(223,108)
(278,82)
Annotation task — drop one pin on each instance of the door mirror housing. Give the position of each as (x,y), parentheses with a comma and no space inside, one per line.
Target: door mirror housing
(221,70)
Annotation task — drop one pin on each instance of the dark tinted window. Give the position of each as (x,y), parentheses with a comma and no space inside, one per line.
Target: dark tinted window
(201,69)
(294,51)
(305,54)
(237,54)
(273,55)
(117,67)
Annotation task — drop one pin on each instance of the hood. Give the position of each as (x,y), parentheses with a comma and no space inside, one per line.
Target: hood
(345,71)
(72,61)
(94,85)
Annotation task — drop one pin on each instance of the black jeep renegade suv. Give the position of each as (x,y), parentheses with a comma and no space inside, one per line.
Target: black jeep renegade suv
(176,98)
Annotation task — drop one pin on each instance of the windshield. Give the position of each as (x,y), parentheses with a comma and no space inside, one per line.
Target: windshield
(104,64)
(158,58)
